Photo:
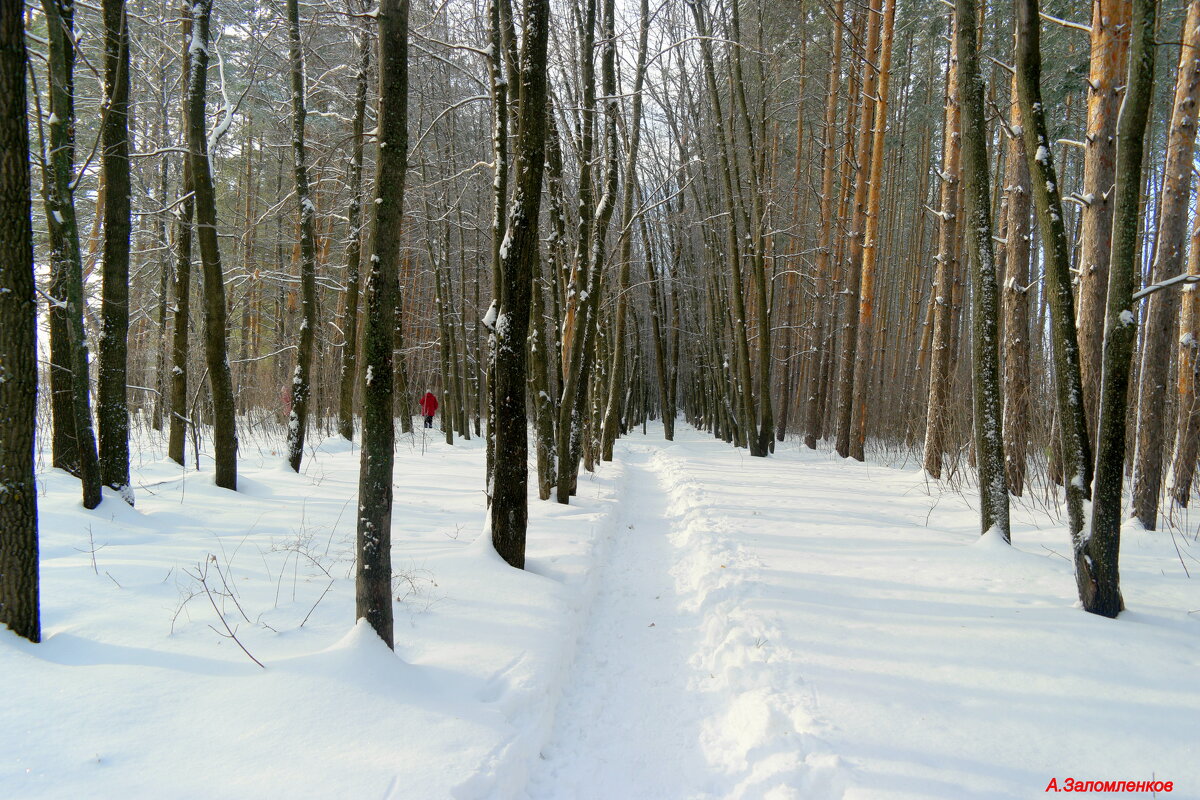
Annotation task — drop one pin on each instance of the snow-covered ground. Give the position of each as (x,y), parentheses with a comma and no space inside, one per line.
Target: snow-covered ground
(697,624)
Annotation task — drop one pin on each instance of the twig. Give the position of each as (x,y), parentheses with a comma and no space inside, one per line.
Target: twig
(202,576)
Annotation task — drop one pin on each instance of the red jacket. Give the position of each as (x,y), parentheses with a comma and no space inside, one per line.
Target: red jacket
(429,405)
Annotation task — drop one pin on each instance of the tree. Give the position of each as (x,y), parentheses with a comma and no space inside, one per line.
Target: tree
(985,305)
(74,438)
(510,496)
(349,374)
(373,567)
(301,378)
(18,351)
(215,348)
(1106,83)
(1120,323)
(1162,316)
(112,410)
(937,413)
(1039,157)
(1015,295)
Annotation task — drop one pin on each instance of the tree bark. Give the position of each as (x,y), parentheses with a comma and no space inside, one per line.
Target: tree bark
(1106,81)
(1120,326)
(1162,316)
(349,372)
(1187,436)
(215,347)
(937,414)
(509,513)
(19,598)
(985,311)
(302,377)
(74,437)
(112,411)
(373,566)
(1017,408)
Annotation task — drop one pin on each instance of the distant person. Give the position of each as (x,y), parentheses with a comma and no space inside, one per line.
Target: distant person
(429,407)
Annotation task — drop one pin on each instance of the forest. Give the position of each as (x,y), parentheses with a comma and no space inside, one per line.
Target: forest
(956,234)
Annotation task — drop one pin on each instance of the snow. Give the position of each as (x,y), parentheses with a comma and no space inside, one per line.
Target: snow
(696,624)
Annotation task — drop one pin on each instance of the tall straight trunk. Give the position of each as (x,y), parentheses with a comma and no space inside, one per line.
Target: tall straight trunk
(302,377)
(445,351)
(542,358)
(1120,324)
(743,384)
(112,411)
(349,373)
(852,289)
(1187,431)
(68,346)
(19,593)
(612,408)
(662,363)
(755,237)
(510,499)
(870,243)
(937,413)
(985,303)
(1016,285)
(177,435)
(1162,315)
(500,89)
(215,347)
(373,567)
(822,315)
(1106,82)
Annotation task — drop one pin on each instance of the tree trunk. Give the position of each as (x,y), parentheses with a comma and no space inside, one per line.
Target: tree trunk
(215,348)
(1187,436)
(111,409)
(1162,315)
(1106,82)
(302,377)
(937,414)
(74,438)
(822,315)
(19,601)
(373,566)
(1120,324)
(852,289)
(1017,408)
(349,373)
(985,311)
(612,408)
(510,498)
(870,243)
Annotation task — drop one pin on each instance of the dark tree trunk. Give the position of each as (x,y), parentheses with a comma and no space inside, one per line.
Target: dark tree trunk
(18,343)
(302,377)
(1071,444)
(1103,596)
(180,340)
(111,407)
(373,570)
(1162,316)
(510,496)
(215,348)
(68,347)
(985,305)
(354,249)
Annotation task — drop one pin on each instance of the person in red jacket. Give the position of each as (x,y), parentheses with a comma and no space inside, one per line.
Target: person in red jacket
(429,407)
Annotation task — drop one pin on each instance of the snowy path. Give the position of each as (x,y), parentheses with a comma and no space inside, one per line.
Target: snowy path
(696,625)
(629,724)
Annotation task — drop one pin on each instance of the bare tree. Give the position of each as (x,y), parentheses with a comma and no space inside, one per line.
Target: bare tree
(18,351)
